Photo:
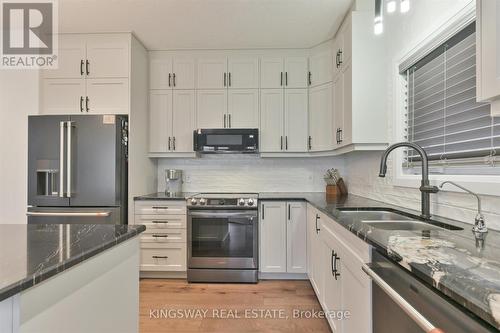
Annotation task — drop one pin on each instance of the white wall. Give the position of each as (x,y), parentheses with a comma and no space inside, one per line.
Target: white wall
(402,33)
(18,99)
(249,173)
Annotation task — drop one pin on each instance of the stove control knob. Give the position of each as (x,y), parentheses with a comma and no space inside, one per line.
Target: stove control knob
(194,202)
(250,202)
(203,201)
(241,202)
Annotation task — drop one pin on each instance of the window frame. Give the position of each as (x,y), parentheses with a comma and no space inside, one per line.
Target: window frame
(482,184)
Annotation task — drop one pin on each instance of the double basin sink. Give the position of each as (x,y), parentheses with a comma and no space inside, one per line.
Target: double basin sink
(391,219)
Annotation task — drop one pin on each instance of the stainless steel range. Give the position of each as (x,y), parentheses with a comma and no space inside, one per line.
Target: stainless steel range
(223,237)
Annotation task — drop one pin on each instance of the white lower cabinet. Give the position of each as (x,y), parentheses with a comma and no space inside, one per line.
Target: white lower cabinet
(335,260)
(164,243)
(282,237)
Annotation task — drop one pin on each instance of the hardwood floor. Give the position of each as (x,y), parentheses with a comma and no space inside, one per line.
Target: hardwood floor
(228,307)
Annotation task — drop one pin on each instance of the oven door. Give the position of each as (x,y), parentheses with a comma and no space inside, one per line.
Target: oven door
(225,239)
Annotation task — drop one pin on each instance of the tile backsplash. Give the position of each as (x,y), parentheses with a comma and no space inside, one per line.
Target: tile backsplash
(235,173)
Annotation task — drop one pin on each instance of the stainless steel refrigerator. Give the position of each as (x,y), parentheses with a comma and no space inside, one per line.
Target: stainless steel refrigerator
(77,169)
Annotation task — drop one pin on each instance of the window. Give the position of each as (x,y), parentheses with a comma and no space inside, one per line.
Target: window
(442,114)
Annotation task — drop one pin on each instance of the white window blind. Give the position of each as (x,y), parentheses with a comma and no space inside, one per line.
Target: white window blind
(442,114)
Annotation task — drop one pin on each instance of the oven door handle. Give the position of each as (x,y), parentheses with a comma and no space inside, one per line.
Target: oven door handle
(231,214)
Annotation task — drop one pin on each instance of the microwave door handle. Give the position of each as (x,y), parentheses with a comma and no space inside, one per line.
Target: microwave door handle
(62,125)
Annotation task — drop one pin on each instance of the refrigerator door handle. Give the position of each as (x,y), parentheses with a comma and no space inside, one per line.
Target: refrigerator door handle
(69,214)
(62,125)
(68,160)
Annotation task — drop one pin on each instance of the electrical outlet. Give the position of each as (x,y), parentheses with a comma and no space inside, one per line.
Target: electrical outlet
(187,179)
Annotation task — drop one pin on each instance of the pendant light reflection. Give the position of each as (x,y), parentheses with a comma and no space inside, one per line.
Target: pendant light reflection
(391,6)
(404,6)
(378,27)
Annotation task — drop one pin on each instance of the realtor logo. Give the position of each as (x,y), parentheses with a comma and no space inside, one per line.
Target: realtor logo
(28,34)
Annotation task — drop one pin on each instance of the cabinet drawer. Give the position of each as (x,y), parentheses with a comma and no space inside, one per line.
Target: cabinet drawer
(162,221)
(164,236)
(160,208)
(168,258)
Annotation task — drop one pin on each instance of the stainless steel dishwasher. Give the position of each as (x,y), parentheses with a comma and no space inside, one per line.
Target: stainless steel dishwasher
(401,303)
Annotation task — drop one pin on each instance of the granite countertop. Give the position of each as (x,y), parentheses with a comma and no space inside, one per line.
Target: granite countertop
(447,260)
(30,254)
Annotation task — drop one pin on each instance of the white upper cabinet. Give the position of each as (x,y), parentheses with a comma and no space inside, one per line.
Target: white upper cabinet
(62,96)
(296,119)
(212,72)
(272,237)
(93,76)
(71,58)
(321,66)
(271,120)
(160,73)
(160,114)
(296,230)
(171,72)
(183,73)
(108,56)
(271,72)
(243,108)
(296,72)
(183,120)
(488,53)
(320,118)
(243,72)
(211,108)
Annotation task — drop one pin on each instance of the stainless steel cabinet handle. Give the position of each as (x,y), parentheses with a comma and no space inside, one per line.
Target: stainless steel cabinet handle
(224,79)
(62,125)
(160,207)
(286,79)
(289,213)
(87,66)
(263,210)
(81,67)
(229,79)
(229,120)
(425,324)
(87,99)
(69,214)
(281,142)
(159,257)
(317,218)
(309,78)
(173,142)
(68,159)
(169,143)
(169,79)
(174,79)
(286,142)
(340,58)
(309,142)
(165,222)
(159,236)
(225,120)
(281,79)
(335,272)
(81,103)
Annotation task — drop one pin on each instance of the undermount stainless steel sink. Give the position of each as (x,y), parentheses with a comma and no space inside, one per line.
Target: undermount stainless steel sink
(391,219)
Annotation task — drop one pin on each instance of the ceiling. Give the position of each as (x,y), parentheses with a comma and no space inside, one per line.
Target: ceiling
(208,24)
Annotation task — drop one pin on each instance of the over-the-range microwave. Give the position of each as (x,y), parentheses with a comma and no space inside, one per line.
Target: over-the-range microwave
(226,140)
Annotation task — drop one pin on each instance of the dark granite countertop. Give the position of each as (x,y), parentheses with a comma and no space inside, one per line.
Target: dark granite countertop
(447,260)
(30,254)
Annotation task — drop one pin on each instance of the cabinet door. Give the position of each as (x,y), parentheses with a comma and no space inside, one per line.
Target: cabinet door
(62,96)
(271,120)
(183,73)
(160,73)
(296,230)
(321,68)
(488,52)
(183,120)
(211,73)
(243,72)
(272,235)
(160,115)
(211,108)
(108,96)
(356,286)
(320,117)
(296,72)
(70,57)
(271,72)
(108,56)
(338,108)
(346,133)
(332,298)
(296,119)
(243,108)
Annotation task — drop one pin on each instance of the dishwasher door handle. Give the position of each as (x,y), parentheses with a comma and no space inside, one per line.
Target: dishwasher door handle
(421,321)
